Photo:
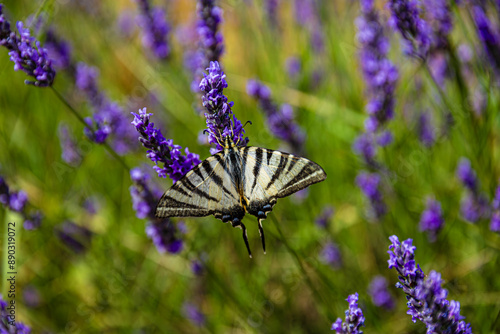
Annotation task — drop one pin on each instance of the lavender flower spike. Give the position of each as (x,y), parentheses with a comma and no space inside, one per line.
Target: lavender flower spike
(432,219)
(489,37)
(281,121)
(175,165)
(354,318)
(405,16)
(155,29)
(26,53)
(426,298)
(162,232)
(17,201)
(474,205)
(495,216)
(380,74)
(379,293)
(221,121)
(7,323)
(209,18)
(369,185)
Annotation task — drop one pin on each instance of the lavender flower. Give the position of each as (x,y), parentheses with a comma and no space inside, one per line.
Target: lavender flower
(8,324)
(108,117)
(271,8)
(161,150)
(31,296)
(380,294)
(489,36)
(426,298)
(155,29)
(432,219)
(209,19)
(330,254)
(193,314)
(75,237)
(405,16)
(70,153)
(474,205)
(364,146)
(307,15)
(280,121)
(426,131)
(221,121)
(26,53)
(441,22)
(17,201)
(325,216)
(495,216)
(354,318)
(369,183)
(293,66)
(379,73)
(162,232)
(59,51)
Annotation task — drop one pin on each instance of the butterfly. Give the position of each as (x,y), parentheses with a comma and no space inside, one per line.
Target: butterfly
(236,181)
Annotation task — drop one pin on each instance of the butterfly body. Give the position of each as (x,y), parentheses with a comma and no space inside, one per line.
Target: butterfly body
(236,181)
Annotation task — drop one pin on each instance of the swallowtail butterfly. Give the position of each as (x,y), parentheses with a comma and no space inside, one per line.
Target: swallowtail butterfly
(238,180)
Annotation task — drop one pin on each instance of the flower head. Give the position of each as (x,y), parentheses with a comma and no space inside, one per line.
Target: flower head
(369,183)
(27,53)
(161,150)
(155,29)
(467,175)
(380,294)
(432,219)
(280,120)
(58,50)
(193,314)
(330,254)
(221,121)
(209,19)
(325,216)
(70,153)
(6,325)
(354,318)
(489,36)
(74,236)
(17,201)
(426,131)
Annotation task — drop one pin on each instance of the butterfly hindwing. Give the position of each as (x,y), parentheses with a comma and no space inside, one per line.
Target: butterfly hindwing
(273,174)
(206,189)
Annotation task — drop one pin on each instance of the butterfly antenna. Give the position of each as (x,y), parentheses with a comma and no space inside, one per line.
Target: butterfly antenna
(245,238)
(261,232)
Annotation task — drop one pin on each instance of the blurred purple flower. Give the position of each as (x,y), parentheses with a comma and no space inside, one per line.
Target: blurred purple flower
(426,298)
(26,53)
(220,119)
(369,183)
(161,150)
(125,23)
(432,219)
(271,8)
(364,146)
(441,22)
(293,66)
(495,222)
(467,175)
(163,233)
(155,29)
(425,128)
(69,148)
(405,16)
(17,201)
(280,120)
(8,325)
(209,19)
(108,116)
(194,315)
(379,293)
(75,237)
(197,267)
(489,36)
(91,205)
(330,255)
(354,318)
(31,296)
(325,216)
(59,51)
(307,15)
(380,74)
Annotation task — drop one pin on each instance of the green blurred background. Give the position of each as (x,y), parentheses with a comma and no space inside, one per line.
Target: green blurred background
(122,284)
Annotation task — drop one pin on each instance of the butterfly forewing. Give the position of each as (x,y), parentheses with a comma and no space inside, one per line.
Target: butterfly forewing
(206,189)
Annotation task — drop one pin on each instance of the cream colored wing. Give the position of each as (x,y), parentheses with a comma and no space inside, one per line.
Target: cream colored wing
(273,174)
(206,189)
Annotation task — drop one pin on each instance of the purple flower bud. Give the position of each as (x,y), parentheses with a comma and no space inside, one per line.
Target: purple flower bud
(370,186)
(164,235)
(467,175)
(155,29)
(293,66)
(75,237)
(354,318)
(70,153)
(194,315)
(325,216)
(432,219)
(426,131)
(330,255)
(5,327)
(380,294)
(489,37)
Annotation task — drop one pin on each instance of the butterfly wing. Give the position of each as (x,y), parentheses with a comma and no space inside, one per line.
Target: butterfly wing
(206,189)
(270,175)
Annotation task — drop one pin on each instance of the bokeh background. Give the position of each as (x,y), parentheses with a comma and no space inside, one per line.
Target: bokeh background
(110,277)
